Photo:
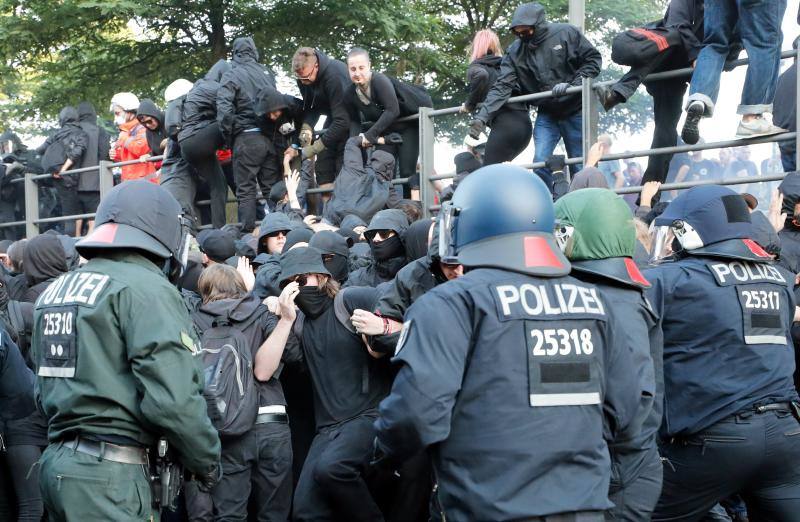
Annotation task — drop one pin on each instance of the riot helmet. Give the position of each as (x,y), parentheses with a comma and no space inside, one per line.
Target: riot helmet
(501,216)
(139,215)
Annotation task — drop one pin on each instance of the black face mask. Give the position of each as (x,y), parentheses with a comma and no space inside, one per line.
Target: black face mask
(312,302)
(525,38)
(338,268)
(386,249)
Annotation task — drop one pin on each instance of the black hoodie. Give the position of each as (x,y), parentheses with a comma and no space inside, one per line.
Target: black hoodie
(383,271)
(70,140)
(239,88)
(326,96)
(270,100)
(481,75)
(97,147)
(147,107)
(44,260)
(200,105)
(557,53)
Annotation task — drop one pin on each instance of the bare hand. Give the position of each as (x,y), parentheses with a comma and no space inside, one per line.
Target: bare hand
(649,190)
(144,157)
(595,153)
(290,153)
(776,218)
(292,182)
(366,322)
(246,271)
(271,302)
(364,141)
(286,308)
(463,109)
(310,219)
(305,137)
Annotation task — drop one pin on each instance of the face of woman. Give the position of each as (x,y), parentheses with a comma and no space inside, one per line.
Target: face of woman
(360,69)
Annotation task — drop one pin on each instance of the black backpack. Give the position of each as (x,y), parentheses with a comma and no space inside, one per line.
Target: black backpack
(641,45)
(229,384)
(410,96)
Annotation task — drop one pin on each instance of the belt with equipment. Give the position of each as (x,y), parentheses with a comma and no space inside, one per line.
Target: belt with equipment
(272,414)
(791,407)
(108,451)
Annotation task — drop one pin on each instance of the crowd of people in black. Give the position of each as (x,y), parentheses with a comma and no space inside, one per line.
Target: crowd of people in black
(309,290)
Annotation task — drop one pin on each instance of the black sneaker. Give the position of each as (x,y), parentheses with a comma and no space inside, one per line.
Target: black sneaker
(608,97)
(691,132)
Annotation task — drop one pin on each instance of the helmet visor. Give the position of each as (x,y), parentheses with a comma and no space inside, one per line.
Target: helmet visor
(564,237)
(662,242)
(448,216)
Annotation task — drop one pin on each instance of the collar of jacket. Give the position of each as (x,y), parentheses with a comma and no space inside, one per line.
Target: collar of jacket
(620,269)
(128,126)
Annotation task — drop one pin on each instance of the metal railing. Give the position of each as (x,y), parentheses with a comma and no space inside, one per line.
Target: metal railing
(427,134)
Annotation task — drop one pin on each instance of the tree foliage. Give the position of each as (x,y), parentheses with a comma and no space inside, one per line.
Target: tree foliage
(61,52)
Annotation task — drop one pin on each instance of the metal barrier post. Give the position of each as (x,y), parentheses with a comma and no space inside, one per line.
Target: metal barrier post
(577,13)
(589,116)
(426,139)
(106,178)
(31,206)
(797,113)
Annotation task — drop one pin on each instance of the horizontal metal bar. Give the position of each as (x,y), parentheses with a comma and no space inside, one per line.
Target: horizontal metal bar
(70,172)
(65,218)
(12,224)
(396,181)
(689,184)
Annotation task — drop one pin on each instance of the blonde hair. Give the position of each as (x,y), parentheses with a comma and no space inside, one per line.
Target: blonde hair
(642,233)
(328,285)
(485,41)
(220,281)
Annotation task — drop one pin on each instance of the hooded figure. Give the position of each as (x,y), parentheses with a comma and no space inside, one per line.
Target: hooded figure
(389,255)
(44,260)
(465,163)
(69,142)
(590,177)
(596,232)
(283,131)
(360,189)
(97,147)
(297,236)
(200,104)
(147,107)
(417,239)
(335,252)
(239,87)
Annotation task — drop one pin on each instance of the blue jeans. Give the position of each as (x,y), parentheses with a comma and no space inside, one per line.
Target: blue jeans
(760,30)
(788,155)
(547,131)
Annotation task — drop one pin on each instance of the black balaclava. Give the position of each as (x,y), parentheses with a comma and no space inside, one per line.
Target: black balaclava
(338,267)
(312,301)
(387,249)
(332,244)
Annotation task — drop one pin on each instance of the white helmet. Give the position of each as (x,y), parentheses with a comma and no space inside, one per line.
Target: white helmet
(126,100)
(176,89)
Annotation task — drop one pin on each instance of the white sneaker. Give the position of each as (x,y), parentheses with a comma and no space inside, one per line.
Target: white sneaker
(757,127)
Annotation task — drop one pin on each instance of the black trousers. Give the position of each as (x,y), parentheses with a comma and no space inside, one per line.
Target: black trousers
(667,108)
(329,163)
(252,168)
(21,482)
(70,206)
(258,465)
(754,455)
(200,151)
(332,486)
(635,486)
(511,133)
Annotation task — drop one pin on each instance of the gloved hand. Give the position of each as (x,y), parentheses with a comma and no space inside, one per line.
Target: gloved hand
(560,89)
(306,135)
(206,481)
(393,138)
(476,127)
(309,151)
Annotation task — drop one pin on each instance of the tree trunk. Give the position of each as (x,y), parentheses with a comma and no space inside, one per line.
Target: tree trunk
(216,15)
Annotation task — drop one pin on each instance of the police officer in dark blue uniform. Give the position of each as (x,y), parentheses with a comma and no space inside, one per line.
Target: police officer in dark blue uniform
(731,421)
(509,375)
(596,232)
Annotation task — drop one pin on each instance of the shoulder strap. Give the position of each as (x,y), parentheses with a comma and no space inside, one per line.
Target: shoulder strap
(15,316)
(342,315)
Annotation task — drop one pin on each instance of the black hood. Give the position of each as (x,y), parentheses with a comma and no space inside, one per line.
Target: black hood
(270,99)
(531,14)
(489,60)
(323,60)
(87,112)
(382,163)
(218,70)
(12,136)
(44,258)
(68,116)
(416,239)
(390,219)
(238,309)
(790,188)
(148,107)
(351,221)
(466,162)
(244,50)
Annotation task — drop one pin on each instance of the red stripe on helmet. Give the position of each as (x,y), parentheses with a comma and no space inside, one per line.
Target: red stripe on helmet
(634,273)
(755,248)
(105,233)
(538,252)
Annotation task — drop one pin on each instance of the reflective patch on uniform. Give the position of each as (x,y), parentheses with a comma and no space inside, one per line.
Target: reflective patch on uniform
(188,342)
(403,336)
(81,288)
(58,342)
(763,309)
(565,399)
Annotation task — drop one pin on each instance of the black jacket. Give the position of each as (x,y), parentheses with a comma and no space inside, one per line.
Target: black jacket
(199,107)
(359,189)
(147,107)
(558,53)
(70,136)
(784,113)
(383,110)
(271,99)
(326,97)
(44,260)
(687,17)
(238,89)
(97,147)
(481,75)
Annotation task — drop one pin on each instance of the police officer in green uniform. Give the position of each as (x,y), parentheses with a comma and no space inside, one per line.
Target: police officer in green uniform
(113,346)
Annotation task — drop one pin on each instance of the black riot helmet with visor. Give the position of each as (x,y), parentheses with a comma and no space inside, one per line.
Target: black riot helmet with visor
(143,216)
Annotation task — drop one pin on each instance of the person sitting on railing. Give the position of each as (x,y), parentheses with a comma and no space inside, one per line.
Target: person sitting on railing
(377,101)
(759,25)
(62,151)
(546,57)
(132,141)
(511,124)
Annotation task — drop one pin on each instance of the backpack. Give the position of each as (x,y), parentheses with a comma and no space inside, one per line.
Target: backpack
(410,96)
(229,384)
(641,45)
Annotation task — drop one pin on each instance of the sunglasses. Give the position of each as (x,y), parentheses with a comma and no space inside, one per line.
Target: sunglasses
(147,121)
(278,233)
(301,280)
(327,257)
(307,78)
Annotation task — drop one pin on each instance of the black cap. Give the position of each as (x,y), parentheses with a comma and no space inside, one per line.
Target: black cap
(278,191)
(216,244)
(274,222)
(303,260)
(298,235)
(4,244)
(329,242)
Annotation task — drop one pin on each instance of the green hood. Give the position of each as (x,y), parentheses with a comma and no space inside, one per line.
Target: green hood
(603,224)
